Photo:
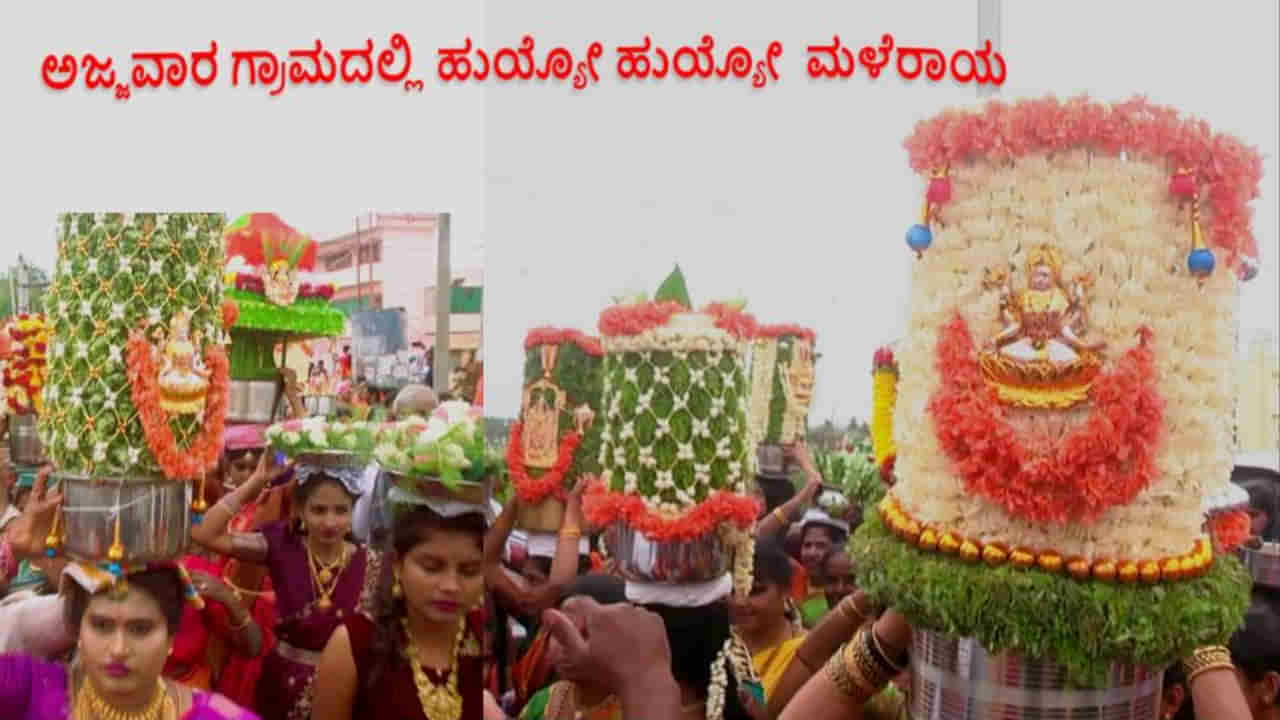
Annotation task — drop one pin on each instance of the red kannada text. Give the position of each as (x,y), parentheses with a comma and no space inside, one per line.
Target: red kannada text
(518,63)
(837,61)
(318,66)
(689,62)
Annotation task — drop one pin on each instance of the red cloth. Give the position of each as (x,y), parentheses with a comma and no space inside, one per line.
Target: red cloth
(396,694)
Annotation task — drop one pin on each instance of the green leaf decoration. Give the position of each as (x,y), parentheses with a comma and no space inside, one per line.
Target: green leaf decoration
(673,289)
(113,273)
(1083,626)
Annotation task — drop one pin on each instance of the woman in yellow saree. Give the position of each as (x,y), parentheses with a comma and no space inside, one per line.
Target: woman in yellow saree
(767,618)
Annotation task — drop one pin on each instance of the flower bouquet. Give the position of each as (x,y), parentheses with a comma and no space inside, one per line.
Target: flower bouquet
(854,474)
(316,441)
(25,373)
(442,456)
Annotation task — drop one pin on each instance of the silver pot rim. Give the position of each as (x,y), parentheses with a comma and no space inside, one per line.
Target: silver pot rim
(675,562)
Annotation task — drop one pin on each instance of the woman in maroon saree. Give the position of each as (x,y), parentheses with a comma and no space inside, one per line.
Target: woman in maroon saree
(429,617)
(321,577)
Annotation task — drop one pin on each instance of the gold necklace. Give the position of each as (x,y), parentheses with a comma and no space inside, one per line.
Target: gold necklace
(326,570)
(89,704)
(325,586)
(438,702)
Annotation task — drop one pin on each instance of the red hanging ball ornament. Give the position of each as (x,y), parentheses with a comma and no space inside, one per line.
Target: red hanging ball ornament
(1183,184)
(939,190)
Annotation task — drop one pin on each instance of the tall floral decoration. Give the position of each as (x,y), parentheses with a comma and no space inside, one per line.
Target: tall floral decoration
(137,380)
(557,438)
(26,369)
(884,399)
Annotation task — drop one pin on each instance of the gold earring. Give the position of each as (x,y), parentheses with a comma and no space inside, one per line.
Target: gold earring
(396,591)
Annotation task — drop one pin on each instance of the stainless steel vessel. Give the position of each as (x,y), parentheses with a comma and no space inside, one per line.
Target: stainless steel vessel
(644,560)
(956,679)
(154,514)
(25,447)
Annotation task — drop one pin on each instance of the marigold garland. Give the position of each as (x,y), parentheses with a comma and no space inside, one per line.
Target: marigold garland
(230,313)
(533,490)
(884,399)
(554,336)
(1227,169)
(202,455)
(1105,462)
(27,369)
(604,507)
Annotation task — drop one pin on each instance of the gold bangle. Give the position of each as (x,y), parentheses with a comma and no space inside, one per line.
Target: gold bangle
(573,533)
(845,675)
(879,650)
(1212,657)
(860,653)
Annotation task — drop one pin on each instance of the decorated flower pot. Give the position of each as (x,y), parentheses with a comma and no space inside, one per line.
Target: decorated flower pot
(557,439)
(676,452)
(465,491)
(137,391)
(957,679)
(1064,391)
(24,441)
(782,382)
(441,458)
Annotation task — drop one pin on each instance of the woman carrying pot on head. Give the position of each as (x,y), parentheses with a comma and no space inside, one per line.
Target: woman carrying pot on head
(767,619)
(320,575)
(425,614)
(123,629)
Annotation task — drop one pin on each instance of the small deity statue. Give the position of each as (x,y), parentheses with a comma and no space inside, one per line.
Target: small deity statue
(1039,359)
(280,282)
(801,376)
(183,380)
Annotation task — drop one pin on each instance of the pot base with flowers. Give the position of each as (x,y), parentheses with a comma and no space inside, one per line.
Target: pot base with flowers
(677,457)
(269,304)
(557,439)
(441,457)
(1064,392)
(135,401)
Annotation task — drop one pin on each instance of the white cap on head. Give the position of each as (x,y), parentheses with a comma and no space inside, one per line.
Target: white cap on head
(819,517)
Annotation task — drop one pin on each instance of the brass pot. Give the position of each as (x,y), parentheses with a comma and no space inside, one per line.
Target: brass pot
(546,516)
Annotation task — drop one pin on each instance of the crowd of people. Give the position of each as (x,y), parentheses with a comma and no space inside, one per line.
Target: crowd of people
(304,595)
(567,645)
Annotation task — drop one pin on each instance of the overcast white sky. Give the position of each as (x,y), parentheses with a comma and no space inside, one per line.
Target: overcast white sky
(798,196)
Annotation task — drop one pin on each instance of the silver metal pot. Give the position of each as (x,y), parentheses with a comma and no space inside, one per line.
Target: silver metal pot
(773,461)
(251,401)
(1263,561)
(320,405)
(24,441)
(643,560)
(155,517)
(956,679)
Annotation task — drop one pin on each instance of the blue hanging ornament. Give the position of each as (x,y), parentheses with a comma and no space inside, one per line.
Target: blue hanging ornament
(919,238)
(1200,260)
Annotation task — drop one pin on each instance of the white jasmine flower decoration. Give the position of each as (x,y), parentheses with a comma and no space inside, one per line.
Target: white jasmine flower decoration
(117,311)
(698,376)
(701,428)
(717,406)
(76,396)
(631,481)
(679,402)
(92,265)
(153,316)
(73,442)
(646,456)
(82,349)
(630,375)
(86,308)
(665,481)
(157,267)
(628,431)
(290,438)
(619,456)
(664,427)
(685,452)
(100,452)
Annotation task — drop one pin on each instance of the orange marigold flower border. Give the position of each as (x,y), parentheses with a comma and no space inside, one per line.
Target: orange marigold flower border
(1105,462)
(628,320)
(1228,170)
(533,490)
(559,336)
(604,507)
(1230,529)
(201,456)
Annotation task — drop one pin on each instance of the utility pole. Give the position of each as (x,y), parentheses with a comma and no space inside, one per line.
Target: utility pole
(444,296)
(990,24)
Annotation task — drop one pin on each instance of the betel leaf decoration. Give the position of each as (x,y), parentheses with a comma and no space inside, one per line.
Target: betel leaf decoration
(674,289)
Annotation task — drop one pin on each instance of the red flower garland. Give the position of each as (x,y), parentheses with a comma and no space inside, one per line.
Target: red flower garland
(550,483)
(202,455)
(1231,529)
(604,507)
(556,336)
(622,320)
(230,313)
(777,331)
(886,468)
(1229,170)
(732,320)
(1105,462)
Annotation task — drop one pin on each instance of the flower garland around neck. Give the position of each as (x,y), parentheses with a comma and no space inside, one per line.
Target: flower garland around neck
(201,456)
(533,490)
(1105,462)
